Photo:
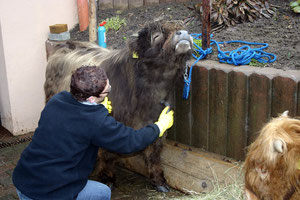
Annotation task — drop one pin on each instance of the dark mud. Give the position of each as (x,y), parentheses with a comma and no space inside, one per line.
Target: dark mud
(281,31)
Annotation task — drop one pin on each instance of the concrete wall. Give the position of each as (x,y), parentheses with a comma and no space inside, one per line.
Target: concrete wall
(24,26)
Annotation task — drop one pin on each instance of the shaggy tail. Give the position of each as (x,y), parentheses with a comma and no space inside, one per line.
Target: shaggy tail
(67,46)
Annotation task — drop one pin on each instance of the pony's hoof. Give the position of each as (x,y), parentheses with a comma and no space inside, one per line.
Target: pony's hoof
(162,188)
(111,186)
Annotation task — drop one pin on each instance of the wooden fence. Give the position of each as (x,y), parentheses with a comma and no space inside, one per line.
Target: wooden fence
(128,4)
(228,105)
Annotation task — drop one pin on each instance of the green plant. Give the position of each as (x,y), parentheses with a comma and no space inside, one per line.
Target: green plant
(114,23)
(255,63)
(295,5)
(198,42)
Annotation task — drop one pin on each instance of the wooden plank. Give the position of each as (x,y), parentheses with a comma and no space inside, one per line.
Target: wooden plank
(298,100)
(217,111)
(182,115)
(151,2)
(283,96)
(206,24)
(166,1)
(180,1)
(135,3)
(188,169)
(121,4)
(105,4)
(259,104)
(237,109)
(200,107)
(93,21)
(172,131)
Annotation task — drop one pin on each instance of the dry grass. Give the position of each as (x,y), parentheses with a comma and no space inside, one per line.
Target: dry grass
(231,190)
(136,187)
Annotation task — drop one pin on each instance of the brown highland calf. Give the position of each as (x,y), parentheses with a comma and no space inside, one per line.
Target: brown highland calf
(142,75)
(273,162)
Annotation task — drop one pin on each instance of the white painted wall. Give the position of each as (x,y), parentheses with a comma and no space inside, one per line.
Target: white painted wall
(24,27)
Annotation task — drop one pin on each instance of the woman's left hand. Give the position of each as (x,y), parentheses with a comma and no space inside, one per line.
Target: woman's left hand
(107,104)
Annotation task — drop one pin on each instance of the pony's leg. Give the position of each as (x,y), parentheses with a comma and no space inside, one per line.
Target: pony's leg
(152,159)
(104,168)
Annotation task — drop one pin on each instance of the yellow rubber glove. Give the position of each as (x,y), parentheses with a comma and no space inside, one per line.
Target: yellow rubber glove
(165,120)
(107,104)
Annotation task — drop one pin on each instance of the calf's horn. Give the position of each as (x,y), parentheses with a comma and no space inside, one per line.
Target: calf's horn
(278,145)
(285,113)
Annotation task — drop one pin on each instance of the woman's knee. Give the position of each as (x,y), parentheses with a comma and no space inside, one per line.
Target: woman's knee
(104,192)
(95,190)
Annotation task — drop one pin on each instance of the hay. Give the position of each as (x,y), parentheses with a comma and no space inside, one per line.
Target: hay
(226,191)
(132,186)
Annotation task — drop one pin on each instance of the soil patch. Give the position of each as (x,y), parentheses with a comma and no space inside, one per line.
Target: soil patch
(281,31)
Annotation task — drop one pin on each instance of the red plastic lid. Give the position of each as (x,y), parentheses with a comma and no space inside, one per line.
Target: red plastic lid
(103,23)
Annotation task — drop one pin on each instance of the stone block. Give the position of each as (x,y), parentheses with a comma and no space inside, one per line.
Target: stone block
(5,180)
(6,168)
(8,192)
(59,36)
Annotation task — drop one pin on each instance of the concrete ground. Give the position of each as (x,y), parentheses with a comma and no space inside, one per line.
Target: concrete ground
(129,186)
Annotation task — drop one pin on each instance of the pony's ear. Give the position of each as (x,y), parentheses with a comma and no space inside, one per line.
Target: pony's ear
(133,45)
(143,42)
(141,46)
(144,33)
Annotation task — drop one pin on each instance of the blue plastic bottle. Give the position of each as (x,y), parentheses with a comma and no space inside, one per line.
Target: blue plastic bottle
(102,35)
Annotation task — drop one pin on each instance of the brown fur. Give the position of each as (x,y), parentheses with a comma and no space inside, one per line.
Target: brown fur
(271,175)
(138,85)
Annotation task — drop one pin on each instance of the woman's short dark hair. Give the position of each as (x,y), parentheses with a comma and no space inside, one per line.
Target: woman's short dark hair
(87,81)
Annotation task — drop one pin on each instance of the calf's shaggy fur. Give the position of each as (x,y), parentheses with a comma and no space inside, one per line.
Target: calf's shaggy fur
(139,84)
(273,161)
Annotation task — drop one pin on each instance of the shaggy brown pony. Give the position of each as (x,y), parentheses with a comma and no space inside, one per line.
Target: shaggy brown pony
(273,161)
(141,75)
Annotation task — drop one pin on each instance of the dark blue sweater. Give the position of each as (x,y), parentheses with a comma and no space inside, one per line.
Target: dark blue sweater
(58,161)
